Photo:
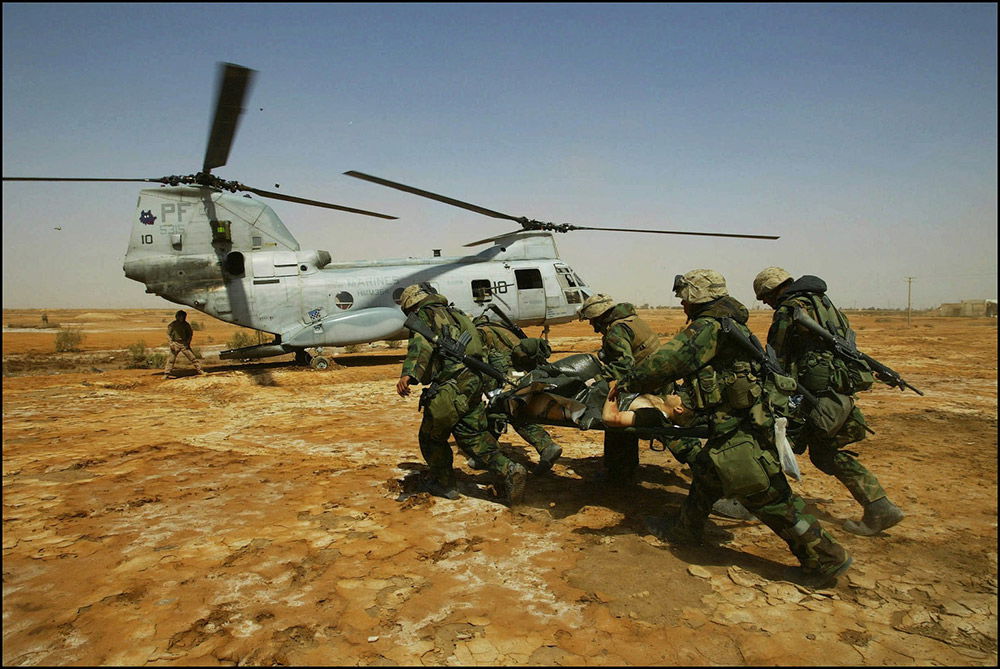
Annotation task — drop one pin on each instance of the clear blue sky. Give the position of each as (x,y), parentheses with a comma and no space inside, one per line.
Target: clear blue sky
(865,135)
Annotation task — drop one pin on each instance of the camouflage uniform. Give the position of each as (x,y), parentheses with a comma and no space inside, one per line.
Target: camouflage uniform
(499,342)
(627,339)
(738,460)
(808,359)
(452,402)
(180,334)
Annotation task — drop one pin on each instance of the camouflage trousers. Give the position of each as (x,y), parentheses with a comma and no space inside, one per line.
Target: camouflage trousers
(772,501)
(827,455)
(176,348)
(456,408)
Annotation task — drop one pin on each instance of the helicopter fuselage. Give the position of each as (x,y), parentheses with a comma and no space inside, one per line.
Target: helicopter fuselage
(232,258)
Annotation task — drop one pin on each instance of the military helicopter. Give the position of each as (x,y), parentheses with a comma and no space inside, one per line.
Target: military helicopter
(229,256)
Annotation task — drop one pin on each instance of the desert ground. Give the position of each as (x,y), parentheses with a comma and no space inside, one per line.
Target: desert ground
(265,514)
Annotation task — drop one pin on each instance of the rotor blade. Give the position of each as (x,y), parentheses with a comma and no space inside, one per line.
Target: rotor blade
(76,179)
(433,196)
(233,85)
(493,239)
(315,203)
(677,232)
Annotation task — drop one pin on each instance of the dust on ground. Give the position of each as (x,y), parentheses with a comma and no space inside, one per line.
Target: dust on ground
(251,517)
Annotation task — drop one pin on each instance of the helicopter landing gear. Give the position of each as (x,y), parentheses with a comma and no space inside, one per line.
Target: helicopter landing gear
(302,357)
(319,362)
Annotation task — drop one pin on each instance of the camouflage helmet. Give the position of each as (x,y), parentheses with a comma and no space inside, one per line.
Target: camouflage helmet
(411,296)
(699,286)
(594,306)
(769,279)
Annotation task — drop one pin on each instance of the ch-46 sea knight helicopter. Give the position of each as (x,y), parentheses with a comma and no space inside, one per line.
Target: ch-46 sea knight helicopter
(231,257)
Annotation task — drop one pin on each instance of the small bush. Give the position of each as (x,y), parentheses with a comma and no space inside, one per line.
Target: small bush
(156,360)
(241,339)
(354,348)
(197,325)
(68,339)
(141,358)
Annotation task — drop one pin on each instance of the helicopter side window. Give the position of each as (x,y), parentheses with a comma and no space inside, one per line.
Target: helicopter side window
(482,290)
(235,263)
(528,279)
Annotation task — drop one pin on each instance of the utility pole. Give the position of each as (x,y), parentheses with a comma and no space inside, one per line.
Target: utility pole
(909,285)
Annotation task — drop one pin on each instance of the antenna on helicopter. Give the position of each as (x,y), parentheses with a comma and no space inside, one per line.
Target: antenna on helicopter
(233,86)
(526,223)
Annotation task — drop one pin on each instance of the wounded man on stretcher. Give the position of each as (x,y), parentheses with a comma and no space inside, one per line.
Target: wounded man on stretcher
(571,393)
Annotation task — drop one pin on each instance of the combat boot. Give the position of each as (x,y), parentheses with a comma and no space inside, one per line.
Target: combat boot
(547,458)
(823,577)
(441,490)
(515,479)
(879,515)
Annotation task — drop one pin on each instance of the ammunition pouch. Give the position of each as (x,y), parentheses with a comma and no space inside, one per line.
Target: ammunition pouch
(740,388)
(427,394)
(860,377)
(741,467)
(705,391)
(830,412)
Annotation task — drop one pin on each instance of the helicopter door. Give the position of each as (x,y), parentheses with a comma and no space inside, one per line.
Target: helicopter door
(530,295)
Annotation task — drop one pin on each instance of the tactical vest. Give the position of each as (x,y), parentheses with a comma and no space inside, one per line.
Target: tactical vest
(644,341)
(813,363)
(452,322)
(503,337)
(730,387)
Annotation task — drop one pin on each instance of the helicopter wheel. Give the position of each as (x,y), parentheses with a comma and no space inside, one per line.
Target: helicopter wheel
(302,357)
(319,362)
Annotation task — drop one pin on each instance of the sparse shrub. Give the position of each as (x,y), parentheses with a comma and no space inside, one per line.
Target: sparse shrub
(398,343)
(141,358)
(353,348)
(240,339)
(68,339)
(197,325)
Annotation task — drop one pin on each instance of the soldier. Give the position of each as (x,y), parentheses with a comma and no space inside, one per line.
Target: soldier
(452,401)
(180,334)
(739,460)
(499,342)
(805,357)
(625,341)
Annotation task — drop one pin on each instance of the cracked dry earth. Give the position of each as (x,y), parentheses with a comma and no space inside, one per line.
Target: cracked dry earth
(264,514)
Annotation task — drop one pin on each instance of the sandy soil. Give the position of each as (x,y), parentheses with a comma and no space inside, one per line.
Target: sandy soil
(251,517)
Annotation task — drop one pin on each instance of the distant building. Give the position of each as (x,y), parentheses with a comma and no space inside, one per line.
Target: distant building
(969,308)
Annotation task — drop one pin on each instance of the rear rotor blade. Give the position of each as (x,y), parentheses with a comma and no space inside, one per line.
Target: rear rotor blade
(678,232)
(315,203)
(433,196)
(233,86)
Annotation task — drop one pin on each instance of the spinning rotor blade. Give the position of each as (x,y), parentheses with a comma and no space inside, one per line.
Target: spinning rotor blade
(75,179)
(433,196)
(315,203)
(233,85)
(529,224)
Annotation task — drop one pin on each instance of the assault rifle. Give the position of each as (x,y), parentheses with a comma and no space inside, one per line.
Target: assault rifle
(849,352)
(508,322)
(451,348)
(768,360)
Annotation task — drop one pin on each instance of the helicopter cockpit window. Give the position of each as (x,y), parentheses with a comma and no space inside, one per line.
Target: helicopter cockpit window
(482,290)
(528,279)
(235,263)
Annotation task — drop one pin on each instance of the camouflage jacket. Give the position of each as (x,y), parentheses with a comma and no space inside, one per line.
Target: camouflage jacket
(180,332)
(627,340)
(721,380)
(422,362)
(498,343)
(800,352)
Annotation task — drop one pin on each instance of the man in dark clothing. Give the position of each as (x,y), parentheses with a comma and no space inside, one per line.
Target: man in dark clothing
(180,334)
(806,357)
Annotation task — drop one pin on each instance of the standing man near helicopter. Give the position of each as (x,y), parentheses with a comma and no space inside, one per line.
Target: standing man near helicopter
(452,401)
(499,341)
(808,359)
(180,334)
